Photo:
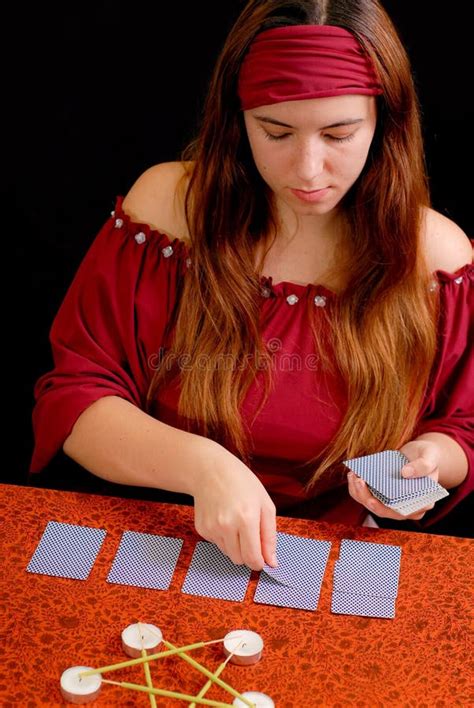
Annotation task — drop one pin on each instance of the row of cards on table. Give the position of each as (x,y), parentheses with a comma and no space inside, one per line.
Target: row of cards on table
(366,575)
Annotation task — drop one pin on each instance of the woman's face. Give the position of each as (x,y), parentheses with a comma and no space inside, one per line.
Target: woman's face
(313,144)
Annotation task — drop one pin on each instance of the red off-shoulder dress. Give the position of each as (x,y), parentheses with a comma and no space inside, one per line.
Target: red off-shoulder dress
(111,325)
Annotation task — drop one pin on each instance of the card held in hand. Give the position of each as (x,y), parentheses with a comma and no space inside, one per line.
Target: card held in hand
(382,473)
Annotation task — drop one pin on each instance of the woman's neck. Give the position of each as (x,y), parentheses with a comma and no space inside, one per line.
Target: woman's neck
(314,252)
(309,231)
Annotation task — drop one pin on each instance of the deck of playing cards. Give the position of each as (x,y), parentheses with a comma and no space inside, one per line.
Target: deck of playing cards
(382,472)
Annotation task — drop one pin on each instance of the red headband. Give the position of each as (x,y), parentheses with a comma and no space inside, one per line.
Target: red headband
(296,62)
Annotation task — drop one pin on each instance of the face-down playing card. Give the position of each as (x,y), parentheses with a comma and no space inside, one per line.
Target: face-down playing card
(382,473)
(66,550)
(366,568)
(145,560)
(343,603)
(371,554)
(297,580)
(356,579)
(366,578)
(212,574)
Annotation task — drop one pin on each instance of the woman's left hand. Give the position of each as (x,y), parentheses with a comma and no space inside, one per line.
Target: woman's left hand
(423,456)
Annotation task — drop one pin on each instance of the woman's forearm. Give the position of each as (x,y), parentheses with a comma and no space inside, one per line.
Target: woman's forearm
(453,465)
(118,442)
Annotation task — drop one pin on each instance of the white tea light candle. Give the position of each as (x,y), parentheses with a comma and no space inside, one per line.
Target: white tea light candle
(79,689)
(260,700)
(245,646)
(140,636)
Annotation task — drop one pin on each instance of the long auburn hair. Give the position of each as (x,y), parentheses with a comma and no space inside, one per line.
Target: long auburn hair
(381,330)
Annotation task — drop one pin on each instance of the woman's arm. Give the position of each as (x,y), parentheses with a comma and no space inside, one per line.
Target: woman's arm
(433,453)
(117,441)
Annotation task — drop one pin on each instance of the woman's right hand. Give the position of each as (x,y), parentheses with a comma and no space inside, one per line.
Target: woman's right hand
(233,510)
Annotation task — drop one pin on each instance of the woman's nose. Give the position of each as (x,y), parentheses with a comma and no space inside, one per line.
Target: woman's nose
(309,164)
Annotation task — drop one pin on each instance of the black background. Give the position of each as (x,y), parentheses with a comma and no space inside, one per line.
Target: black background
(98,93)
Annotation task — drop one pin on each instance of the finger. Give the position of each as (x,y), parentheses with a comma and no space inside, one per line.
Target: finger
(422,459)
(230,545)
(421,466)
(268,535)
(353,487)
(250,544)
(362,494)
(359,490)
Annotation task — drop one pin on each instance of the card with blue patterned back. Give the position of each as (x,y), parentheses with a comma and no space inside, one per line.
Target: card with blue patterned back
(212,574)
(67,550)
(297,580)
(145,560)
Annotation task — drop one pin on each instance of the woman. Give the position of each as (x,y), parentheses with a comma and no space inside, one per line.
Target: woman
(282,299)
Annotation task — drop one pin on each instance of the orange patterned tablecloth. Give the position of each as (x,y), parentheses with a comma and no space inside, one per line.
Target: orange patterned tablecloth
(421,658)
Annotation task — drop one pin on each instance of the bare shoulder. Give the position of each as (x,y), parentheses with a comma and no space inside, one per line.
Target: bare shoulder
(157,198)
(447,247)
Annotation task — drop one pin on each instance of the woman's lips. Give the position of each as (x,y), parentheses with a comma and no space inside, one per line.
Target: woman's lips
(315,196)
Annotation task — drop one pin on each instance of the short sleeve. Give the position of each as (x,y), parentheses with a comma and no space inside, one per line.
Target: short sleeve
(108,329)
(449,405)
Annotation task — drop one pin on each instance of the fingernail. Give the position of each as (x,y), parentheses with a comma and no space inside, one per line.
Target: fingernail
(274,561)
(408,472)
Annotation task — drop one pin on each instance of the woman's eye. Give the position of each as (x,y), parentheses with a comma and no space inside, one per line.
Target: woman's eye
(334,138)
(269,136)
(342,139)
